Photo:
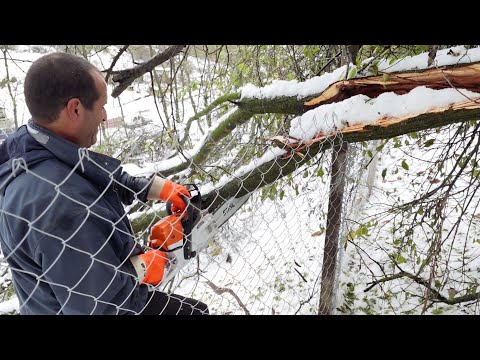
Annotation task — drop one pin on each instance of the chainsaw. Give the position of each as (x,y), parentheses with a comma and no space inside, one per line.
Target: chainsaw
(182,235)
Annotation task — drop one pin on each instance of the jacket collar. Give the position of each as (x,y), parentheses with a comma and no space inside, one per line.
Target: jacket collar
(96,167)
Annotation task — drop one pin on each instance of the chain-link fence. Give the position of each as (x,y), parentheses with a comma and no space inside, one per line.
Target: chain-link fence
(324,225)
(266,259)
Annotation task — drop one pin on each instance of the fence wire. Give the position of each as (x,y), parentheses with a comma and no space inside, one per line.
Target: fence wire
(347,230)
(266,259)
(269,257)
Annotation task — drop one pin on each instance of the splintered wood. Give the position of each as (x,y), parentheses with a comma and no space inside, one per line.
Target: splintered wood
(459,76)
(462,77)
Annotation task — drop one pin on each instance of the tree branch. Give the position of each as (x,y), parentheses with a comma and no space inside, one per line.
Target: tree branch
(435,295)
(297,154)
(114,61)
(207,110)
(127,76)
(415,278)
(277,168)
(220,291)
(222,130)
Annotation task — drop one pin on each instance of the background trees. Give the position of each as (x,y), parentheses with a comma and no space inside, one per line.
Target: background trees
(410,196)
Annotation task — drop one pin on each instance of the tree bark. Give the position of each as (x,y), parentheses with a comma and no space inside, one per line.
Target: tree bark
(334,218)
(9,87)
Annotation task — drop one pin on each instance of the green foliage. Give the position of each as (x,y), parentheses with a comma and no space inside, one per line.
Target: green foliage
(437,311)
(384,173)
(361,231)
(373,68)
(401,51)
(352,73)
(397,143)
(279,285)
(349,297)
(429,143)
(269,191)
(215,250)
(369,307)
(9,292)
(399,259)
(380,147)
(472,288)
(3,83)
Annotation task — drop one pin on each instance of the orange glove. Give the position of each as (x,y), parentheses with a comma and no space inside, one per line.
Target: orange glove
(153,264)
(171,193)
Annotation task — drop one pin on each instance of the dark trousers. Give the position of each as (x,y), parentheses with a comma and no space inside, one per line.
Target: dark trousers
(161,303)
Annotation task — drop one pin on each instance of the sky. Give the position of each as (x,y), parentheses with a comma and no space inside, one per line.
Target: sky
(265,240)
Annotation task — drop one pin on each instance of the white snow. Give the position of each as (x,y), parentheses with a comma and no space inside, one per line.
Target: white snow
(361,109)
(9,305)
(277,88)
(266,237)
(450,56)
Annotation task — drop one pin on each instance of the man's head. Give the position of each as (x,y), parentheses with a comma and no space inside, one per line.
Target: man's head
(66,94)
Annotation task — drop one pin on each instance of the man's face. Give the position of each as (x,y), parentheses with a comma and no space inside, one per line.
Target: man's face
(93,118)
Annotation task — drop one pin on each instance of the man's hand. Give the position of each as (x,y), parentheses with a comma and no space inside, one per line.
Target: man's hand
(171,192)
(150,266)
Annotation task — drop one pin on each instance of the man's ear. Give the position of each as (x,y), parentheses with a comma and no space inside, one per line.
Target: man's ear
(73,106)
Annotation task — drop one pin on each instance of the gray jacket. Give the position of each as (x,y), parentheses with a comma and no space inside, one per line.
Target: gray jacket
(63,228)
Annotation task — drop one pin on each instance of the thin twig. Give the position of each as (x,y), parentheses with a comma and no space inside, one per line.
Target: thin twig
(328,63)
(298,272)
(220,291)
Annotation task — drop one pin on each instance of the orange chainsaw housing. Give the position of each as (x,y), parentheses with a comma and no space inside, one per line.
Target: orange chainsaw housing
(167,232)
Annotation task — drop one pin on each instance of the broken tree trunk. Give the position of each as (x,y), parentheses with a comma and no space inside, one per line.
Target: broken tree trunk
(300,152)
(466,76)
(461,76)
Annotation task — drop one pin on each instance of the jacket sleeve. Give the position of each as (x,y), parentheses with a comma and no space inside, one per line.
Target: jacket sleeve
(133,186)
(85,259)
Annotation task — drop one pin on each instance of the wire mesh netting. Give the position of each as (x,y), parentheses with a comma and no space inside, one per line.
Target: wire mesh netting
(294,218)
(267,258)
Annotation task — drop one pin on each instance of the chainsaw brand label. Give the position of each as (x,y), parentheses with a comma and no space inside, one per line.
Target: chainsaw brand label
(228,208)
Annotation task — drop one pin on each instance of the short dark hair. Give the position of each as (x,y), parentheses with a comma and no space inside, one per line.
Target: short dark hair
(54,79)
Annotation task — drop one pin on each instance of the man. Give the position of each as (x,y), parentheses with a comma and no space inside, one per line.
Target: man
(63,228)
